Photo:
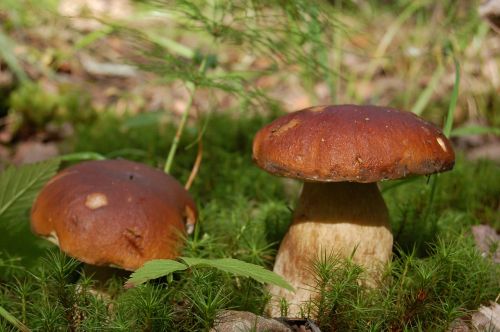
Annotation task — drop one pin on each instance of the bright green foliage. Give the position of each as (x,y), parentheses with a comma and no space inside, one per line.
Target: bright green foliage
(18,188)
(163,267)
(154,269)
(240,268)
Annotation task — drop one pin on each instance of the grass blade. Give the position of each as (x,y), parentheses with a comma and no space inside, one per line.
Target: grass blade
(453,101)
(6,47)
(426,95)
(77,156)
(13,320)
(192,89)
(447,131)
(474,130)
(390,34)
(397,183)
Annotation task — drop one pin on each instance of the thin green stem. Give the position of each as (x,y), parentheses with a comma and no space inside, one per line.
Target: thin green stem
(23,309)
(425,97)
(433,184)
(454,99)
(389,35)
(13,320)
(78,156)
(7,54)
(175,143)
(337,40)
(447,131)
(171,45)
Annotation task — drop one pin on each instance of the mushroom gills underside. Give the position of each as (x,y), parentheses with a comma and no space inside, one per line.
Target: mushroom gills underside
(338,218)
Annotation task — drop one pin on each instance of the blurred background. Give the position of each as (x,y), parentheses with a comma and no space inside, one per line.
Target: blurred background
(64,64)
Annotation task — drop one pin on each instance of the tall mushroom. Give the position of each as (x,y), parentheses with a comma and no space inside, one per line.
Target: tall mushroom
(340,152)
(114,213)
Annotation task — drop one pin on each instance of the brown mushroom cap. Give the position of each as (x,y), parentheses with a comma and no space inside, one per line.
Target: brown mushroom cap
(351,143)
(114,213)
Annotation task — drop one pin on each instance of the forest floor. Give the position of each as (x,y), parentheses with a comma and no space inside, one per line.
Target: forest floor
(115,77)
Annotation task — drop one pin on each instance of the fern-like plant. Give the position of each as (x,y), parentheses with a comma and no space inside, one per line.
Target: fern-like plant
(163,267)
(18,189)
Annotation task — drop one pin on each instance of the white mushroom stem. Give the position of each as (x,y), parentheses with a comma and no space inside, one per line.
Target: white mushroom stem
(338,218)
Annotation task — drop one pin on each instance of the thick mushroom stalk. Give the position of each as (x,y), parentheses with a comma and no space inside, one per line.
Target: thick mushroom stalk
(338,218)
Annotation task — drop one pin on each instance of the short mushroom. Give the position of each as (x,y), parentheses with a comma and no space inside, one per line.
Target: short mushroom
(340,152)
(114,213)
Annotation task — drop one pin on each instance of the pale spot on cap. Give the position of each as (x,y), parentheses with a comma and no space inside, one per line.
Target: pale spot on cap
(280,130)
(96,200)
(317,109)
(190,219)
(441,143)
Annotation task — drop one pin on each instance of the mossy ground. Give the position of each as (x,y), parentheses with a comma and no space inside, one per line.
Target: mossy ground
(436,275)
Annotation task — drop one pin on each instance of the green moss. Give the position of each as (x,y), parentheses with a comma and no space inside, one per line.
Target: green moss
(436,274)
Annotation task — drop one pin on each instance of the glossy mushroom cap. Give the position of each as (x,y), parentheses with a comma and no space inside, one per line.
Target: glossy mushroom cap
(351,143)
(114,213)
